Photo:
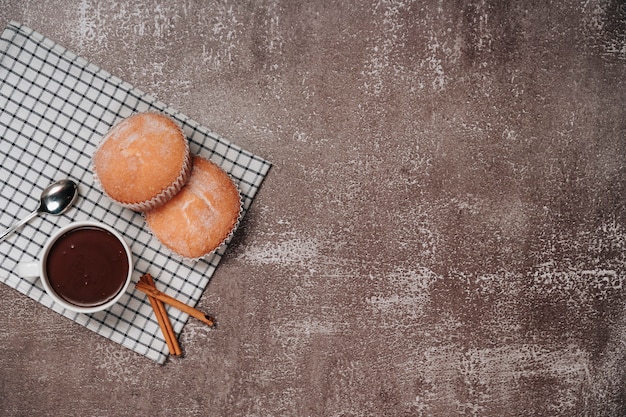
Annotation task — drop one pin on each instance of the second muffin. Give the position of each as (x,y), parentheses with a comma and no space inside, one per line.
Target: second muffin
(202,216)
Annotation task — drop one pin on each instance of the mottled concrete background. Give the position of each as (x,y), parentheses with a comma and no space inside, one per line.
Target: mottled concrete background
(443,231)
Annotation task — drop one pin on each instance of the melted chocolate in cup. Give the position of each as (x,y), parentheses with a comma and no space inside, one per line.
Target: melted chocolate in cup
(87,266)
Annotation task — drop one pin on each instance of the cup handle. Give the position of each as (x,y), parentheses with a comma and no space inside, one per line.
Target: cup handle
(28,270)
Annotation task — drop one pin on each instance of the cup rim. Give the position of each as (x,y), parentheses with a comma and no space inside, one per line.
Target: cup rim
(42,267)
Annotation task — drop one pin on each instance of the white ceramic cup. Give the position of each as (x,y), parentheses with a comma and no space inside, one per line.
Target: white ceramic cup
(40,268)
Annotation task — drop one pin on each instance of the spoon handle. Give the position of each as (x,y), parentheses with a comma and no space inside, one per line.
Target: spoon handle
(18,224)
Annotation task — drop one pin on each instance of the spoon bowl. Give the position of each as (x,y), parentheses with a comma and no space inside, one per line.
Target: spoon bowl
(56,199)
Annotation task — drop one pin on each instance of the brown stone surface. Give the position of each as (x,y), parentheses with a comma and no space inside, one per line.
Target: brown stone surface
(443,231)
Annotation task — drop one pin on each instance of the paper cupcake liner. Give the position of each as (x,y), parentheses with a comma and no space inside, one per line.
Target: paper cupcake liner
(164,195)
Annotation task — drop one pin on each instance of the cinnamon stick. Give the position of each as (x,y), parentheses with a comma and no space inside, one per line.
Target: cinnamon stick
(162,318)
(153,292)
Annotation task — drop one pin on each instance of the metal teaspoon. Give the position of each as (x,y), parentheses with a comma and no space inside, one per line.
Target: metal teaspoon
(56,199)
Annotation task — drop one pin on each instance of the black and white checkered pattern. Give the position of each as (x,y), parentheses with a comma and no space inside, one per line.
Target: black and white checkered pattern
(54,108)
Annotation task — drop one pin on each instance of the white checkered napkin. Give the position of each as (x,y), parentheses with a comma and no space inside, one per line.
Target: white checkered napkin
(54,109)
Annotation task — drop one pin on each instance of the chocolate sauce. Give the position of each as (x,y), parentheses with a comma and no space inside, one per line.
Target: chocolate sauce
(87,266)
